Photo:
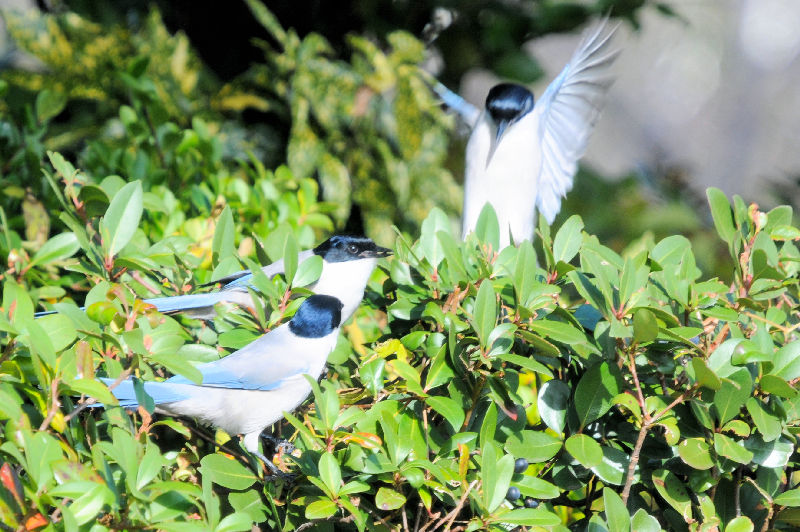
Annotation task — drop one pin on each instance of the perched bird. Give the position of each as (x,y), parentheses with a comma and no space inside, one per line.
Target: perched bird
(522,155)
(347,263)
(248,390)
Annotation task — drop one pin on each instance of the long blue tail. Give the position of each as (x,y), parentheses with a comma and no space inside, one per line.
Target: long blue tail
(171,304)
(161,392)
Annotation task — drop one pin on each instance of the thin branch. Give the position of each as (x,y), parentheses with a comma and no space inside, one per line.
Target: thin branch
(634,461)
(55,404)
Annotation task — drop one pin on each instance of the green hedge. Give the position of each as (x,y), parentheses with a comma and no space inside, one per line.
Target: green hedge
(640,393)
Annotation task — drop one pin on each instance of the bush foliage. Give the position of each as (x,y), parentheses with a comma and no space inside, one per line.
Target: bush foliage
(640,393)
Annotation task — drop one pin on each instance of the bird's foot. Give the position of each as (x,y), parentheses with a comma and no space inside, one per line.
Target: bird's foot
(278,445)
(274,471)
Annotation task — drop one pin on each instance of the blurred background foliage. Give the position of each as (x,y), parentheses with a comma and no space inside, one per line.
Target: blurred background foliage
(145,91)
(156,147)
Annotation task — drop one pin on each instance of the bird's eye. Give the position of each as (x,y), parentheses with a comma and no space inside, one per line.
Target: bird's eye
(352,248)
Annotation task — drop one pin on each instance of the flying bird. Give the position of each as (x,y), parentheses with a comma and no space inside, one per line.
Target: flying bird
(523,155)
(347,263)
(248,390)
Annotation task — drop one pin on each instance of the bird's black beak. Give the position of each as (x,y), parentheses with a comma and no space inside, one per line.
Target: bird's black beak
(376,253)
(502,125)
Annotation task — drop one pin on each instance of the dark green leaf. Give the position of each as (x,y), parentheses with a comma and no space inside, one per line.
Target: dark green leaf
(485,312)
(673,491)
(732,394)
(595,392)
(553,401)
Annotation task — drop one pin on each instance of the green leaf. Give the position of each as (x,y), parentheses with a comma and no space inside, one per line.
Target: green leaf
(121,218)
(774,454)
(644,522)
(308,271)
(584,449)
(450,410)
(531,486)
(614,467)
(558,331)
(290,252)
(489,426)
(496,476)
(93,388)
(704,376)
(487,228)
(321,509)
(722,214)
(235,522)
(525,272)
(485,312)
(537,517)
(777,386)
(60,329)
(645,326)
(329,473)
(49,103)
(568,239)
(429,244)
(226,472)
(739,524)
(224,243)
(696,453)
(786,363)
(388,499)
(617,516)
(788,498)
(768,424)
(57,248)
(731,449)
(673,491)
(732,394)
(595,392)
(552,402)
(535,446)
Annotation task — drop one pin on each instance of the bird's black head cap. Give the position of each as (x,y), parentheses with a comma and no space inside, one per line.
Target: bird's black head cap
(342,248)
(508,102)
(317,316)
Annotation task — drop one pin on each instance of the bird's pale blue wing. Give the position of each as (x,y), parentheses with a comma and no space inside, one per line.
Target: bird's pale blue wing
(469,113)
(567,111)
(260,365)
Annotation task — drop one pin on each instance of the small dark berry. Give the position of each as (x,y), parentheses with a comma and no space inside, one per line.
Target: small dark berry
(513,493)
(530,502)
(520,465)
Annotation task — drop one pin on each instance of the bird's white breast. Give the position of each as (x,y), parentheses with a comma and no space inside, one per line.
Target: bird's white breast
(508,181)
(346,281)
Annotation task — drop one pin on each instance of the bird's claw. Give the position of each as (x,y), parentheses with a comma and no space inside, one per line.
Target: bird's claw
(279,445)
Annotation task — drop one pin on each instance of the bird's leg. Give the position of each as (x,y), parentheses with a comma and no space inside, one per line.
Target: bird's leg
(251,444)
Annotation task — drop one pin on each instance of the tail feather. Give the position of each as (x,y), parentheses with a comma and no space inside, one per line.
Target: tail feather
(161,392)
(195,302)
